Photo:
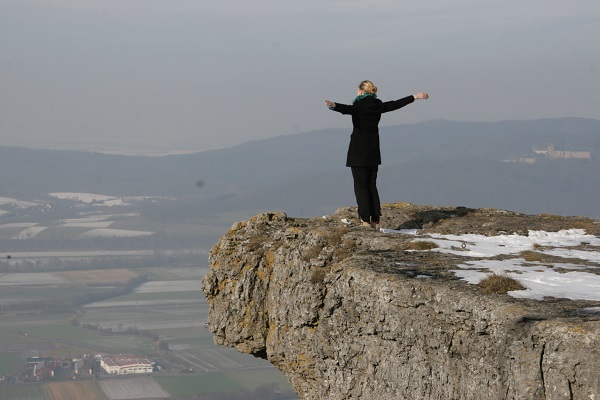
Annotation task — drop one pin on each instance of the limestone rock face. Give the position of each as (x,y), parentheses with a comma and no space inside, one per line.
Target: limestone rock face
(342,311)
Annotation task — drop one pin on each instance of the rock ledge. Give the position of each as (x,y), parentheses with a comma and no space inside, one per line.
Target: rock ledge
(342,312)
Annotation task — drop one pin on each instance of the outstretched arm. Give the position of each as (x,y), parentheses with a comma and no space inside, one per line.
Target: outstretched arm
(342,108)
(397,104)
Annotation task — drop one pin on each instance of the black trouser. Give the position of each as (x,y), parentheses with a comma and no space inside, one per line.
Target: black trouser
(365,189)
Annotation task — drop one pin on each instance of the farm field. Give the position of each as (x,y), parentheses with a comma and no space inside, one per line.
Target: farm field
(32,318)
(87,390)
(98,275)
(28,294)
(152,315)
(46,274)
(132,388)
(83,254)
(83,338)
(213,382)
(169,274)
(31,279)
(23,392)
(253,378)
(8,361)
(170,304)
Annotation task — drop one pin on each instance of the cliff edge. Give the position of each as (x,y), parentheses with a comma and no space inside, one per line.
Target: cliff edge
(349,313)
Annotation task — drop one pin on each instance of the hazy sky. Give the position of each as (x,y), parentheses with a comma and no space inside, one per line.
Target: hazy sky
(198,74)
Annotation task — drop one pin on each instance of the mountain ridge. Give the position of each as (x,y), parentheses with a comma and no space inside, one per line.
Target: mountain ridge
(417,159)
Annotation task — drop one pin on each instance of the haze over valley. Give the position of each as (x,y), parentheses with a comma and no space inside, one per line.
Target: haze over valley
(103,254)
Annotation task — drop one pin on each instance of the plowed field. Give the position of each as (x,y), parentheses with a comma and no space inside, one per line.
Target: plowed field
(98,275)
(87,390)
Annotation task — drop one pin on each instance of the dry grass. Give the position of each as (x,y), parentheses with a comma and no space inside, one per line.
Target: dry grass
(311,253)
(499,284)
(532,256)
(550,216)
(256,243)
(335,239)
(421,245)
(318,276)
(345,250)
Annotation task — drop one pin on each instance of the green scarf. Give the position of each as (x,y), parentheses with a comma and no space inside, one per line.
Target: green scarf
(362,96)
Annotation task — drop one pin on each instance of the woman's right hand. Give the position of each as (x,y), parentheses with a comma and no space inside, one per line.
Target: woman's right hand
(330,104)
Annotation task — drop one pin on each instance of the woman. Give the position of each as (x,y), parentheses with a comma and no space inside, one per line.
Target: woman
(364,156)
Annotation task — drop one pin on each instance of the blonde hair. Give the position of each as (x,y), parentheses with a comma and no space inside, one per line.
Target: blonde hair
(368,87)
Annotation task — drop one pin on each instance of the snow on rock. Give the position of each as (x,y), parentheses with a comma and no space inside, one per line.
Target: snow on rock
(541,280)
(348,312)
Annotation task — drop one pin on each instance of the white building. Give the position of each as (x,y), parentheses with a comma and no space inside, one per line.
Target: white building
(121,365)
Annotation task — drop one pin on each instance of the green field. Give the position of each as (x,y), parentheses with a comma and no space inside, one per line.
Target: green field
(22,392)
(253,378)
(159,274)
(7,320)
(197,342)
(7,338)
(8,363)
(197,295)
(9,233)
(158,310)
(213,382)
(13,294)
(155,317)
(83,338)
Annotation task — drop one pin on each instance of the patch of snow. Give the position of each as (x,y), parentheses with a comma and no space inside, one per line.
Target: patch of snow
(107,232)
(30,232)
(32,255)
(89,198)
(592,256)
(16,203)
(82,197)
(543,282)
(18,225)
(148,198)
(111,203)
(190,285)
(32,278)
(472,245)
(401,231)
(89,224)
(560,280)
(140,303)
(589,311)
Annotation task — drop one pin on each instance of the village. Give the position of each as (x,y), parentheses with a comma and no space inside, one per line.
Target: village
(38,369)
(551,153)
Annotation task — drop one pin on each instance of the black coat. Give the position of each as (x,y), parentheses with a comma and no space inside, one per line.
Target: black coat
(364,142)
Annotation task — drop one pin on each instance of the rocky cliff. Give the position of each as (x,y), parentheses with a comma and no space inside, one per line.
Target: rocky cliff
(349,313)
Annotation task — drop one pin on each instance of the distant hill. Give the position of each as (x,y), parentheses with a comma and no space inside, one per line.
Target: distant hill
(434,162)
